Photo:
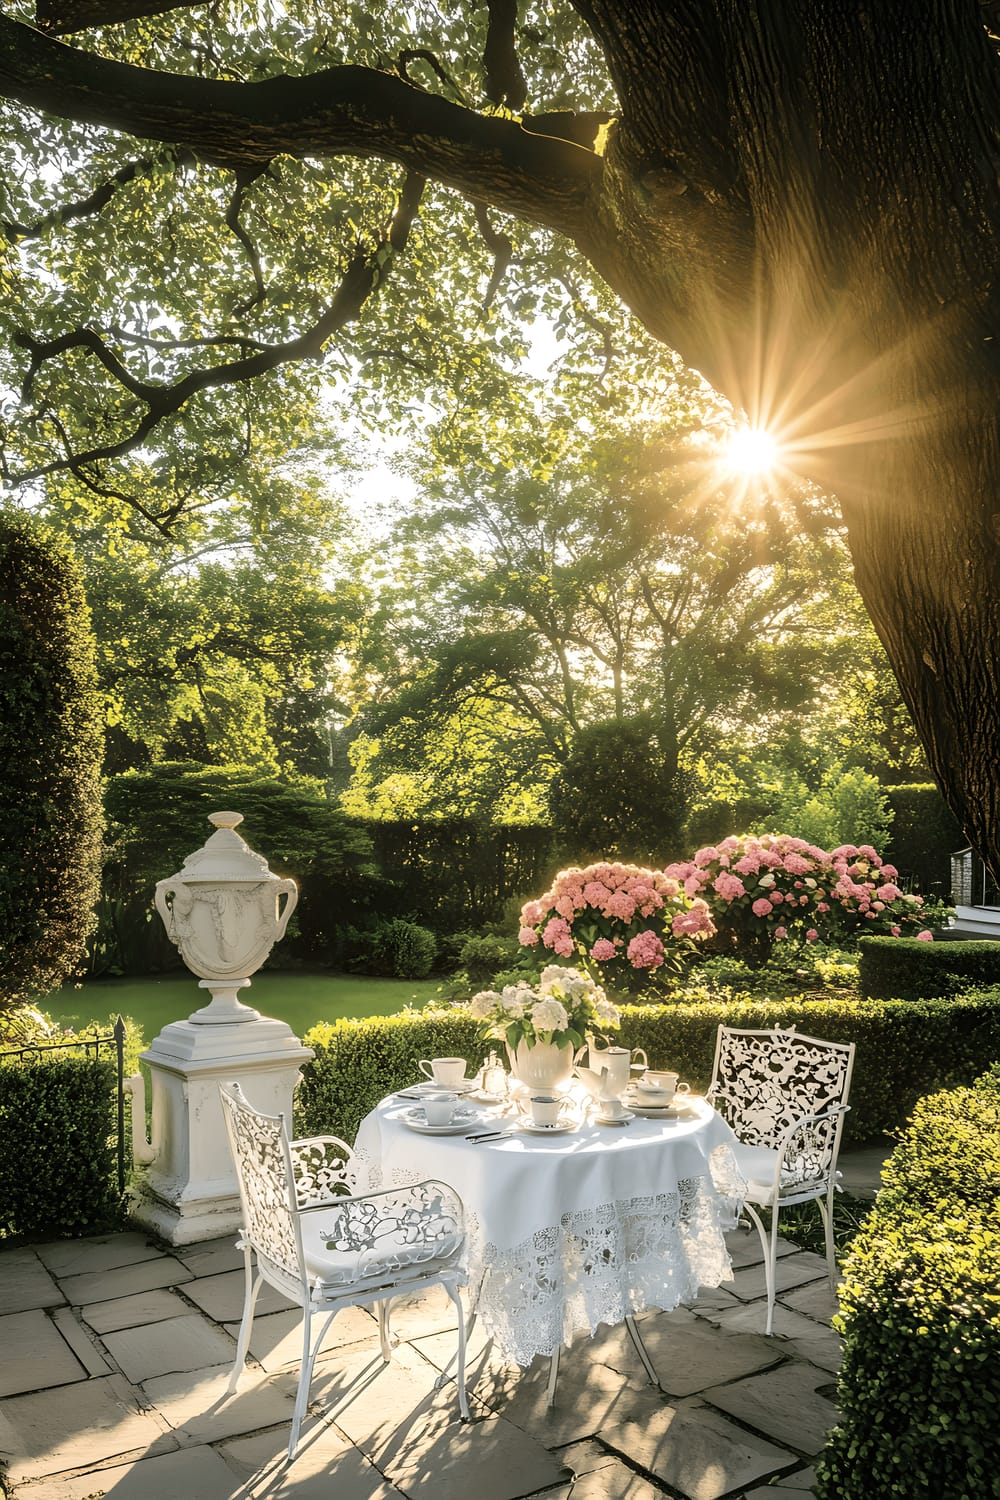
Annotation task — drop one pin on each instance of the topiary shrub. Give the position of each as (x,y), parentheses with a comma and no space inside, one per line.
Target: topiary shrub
(906,969)
(920,1315)
(57,1162)
(50,754)
(403,949)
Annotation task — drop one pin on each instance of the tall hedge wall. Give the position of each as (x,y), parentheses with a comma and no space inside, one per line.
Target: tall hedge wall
(924,834)
(907,969)
(904,1049)
(51,732)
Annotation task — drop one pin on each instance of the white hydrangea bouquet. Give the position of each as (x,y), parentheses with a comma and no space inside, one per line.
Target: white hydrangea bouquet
(562,1008)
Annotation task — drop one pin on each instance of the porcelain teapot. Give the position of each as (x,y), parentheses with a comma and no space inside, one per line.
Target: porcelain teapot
(616,1062)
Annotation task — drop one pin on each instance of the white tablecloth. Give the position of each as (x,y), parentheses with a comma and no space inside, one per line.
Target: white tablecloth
(566,1232)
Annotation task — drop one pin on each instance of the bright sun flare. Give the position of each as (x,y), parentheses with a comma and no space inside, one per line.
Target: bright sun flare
(751,451)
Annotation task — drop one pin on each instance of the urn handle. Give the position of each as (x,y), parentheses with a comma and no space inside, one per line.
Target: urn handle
(290,891)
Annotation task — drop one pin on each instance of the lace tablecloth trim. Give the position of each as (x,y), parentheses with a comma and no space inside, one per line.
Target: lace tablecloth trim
(600,1264)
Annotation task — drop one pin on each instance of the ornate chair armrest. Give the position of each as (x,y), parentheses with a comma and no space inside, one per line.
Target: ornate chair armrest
(321,1169)
(420,1215)
(807,1149)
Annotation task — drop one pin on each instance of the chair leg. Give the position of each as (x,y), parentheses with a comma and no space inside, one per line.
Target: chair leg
(252,1289)
(632,1329)
(463,1400)
(550,1394)
(383,1329)
(826,1211)
(310,1349)
(769,1245)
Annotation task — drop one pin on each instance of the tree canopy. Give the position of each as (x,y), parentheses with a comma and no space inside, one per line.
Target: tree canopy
(801,200)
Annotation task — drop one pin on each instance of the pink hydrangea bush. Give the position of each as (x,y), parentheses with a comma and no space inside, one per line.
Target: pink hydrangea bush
(775,888)
(619,919)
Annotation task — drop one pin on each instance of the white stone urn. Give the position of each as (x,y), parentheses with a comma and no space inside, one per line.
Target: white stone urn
(224,913)
(541,1065)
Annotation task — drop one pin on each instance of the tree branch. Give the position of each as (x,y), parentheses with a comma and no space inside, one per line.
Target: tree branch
(505,82)
(96,200)
(338,111)
(501,247)
(243,181)
(61,16)
(364,275)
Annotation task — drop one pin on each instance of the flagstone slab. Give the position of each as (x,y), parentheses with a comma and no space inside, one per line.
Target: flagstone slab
(191,1342)
(693,1449)
(25,1283)
(326,1467)
(222,1297)
(198,1409)
(124,1281)
(427,1310)
(412,1433)
(690,1353)
(816,1301)
(34,1354)
(785,1404)
(71,1427)
(790,1271)
(188,1474)
(590,1391)
(211,1257)
(105,1252)
(137,1311)
(745,1248)
(599,1475)
(276,1340)
(83,1345)
(793,1332)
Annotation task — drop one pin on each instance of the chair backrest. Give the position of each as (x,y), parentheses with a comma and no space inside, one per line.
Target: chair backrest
(763,1081)
(264,1171)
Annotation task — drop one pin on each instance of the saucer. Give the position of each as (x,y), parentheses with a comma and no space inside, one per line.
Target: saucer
(657,1111)
(621,1119)
(561,1127)
(461,1121)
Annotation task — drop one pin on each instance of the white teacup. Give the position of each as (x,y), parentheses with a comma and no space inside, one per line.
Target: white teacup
(439,1109)
(544,1109)
(656,1087)
(611,1109)
(446,1071)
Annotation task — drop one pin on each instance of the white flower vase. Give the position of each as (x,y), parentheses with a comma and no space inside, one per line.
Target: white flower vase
(541,1065)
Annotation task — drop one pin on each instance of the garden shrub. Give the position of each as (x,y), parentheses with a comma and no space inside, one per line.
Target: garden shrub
(58,1115)
(359,1061)
(920,1315)
(925,834)
(483,956)
(906,969)
(402,949)
(904,1048)
(51,729)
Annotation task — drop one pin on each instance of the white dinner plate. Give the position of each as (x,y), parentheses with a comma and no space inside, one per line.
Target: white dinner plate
(462,1120)
(561,1127)
(622,1119)
(659,1111)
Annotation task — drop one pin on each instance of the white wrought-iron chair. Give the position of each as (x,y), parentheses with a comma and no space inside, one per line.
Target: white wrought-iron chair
(327,1249)
(785,1096)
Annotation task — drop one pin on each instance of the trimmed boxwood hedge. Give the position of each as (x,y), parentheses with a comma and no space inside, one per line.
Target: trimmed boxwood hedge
(920,1313)
(905,1049)
(57,1146)
(907,969)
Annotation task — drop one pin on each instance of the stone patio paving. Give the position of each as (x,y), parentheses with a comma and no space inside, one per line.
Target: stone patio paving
(116,1352)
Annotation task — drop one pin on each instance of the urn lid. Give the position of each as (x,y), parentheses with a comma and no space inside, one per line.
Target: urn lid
(224,856)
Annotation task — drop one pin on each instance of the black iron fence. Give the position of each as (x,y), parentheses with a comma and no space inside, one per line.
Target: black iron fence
(115,1038)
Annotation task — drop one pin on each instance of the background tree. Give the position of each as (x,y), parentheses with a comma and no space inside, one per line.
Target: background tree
(50,751)
(561,582)
(800,200)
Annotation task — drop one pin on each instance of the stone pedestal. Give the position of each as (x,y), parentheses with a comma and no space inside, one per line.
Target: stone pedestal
(190,1191)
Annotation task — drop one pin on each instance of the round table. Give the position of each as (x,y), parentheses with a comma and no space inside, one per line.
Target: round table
(569,1231)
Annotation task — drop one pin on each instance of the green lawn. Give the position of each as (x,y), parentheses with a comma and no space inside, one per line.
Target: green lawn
(299,999)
